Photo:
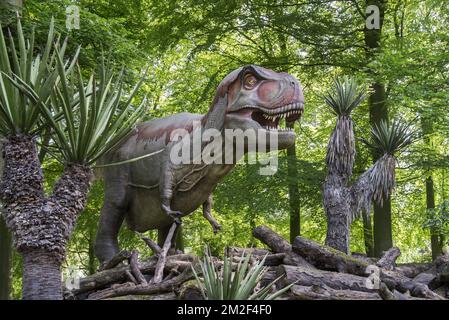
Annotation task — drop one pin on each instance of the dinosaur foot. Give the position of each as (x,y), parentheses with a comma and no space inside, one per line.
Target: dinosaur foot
(117,259)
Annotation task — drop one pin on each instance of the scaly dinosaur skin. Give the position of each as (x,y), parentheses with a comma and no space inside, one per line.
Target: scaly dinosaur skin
(153,192)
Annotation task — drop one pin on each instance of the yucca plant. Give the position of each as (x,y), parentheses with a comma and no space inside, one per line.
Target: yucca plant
(240,284)
(344,96)
(390,139)
(85,120)
(342,99)
(386,141)
(19,114)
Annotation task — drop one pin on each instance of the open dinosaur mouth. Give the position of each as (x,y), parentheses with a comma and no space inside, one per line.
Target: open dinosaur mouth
(269,118)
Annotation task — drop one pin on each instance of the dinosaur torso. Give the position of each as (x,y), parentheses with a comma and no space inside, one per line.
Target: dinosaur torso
(155,191)
(193,182)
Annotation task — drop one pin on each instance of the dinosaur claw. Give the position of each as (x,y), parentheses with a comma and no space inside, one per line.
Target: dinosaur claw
(175,215)
(216,228)
(177,220)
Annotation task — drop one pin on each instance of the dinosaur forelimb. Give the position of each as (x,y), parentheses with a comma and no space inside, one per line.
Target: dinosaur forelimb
(207,209)
(174,214)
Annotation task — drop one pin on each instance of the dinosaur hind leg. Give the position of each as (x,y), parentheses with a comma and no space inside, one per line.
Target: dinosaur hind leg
(106,242)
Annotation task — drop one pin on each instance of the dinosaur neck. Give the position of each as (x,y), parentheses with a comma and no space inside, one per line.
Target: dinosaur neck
(216,116)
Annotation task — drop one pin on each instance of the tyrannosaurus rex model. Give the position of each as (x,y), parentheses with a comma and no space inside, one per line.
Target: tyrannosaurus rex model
(153,192)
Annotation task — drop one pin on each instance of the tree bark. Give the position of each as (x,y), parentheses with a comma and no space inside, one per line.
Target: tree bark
(338,211)
(292,170)
(435,241)
(334,280)
(41,225)
(5,260)
(327,258)
(435,237)
(41,275)
(388,259)
(91,253)
(368,234)
(411,270)
(279,245)
(383,235)
(323,292)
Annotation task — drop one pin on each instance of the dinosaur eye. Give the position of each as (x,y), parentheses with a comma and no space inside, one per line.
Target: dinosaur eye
(250,81)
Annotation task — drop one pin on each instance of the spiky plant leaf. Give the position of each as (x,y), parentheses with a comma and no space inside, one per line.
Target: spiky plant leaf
(21,71)
(87,120)
(390,139)
(344,96)
(240,284)
(378,182)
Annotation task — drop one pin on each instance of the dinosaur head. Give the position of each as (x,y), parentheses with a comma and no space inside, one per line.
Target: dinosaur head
(256,98)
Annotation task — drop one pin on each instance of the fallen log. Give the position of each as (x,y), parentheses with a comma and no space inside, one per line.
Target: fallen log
(364,258)
(150,243)
(395,280)
(411,270)
(323,292)
(388,259)
(327,258)
(335,280)
(130,288)
(429,278)
(118,274)
(442,268)
(279,245)
(237,251)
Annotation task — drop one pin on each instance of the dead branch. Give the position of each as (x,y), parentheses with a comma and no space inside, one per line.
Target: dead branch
(159,272)
(134,265)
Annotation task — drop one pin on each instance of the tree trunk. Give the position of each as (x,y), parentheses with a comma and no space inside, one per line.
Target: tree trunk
(435,236)
(383,238)
(368,235)
(292,170)
(327,258)
(41,226)
(338,210)
(5,260)
(293,192)
(378,111)
(41,276)
(437,249)
(91,264)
